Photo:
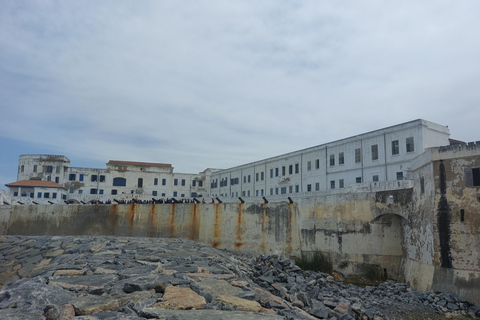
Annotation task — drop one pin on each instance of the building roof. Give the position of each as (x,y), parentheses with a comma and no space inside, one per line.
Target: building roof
(34,183)
(134,163)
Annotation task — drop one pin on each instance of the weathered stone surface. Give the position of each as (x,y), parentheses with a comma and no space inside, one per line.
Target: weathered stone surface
(139,282)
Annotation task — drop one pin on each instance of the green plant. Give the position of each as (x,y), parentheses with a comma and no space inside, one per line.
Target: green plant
(314,261)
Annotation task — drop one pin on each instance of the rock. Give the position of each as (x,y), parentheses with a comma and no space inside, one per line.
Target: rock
(239,303)
(85,305)
(65,312)
(342,308)
(182,299)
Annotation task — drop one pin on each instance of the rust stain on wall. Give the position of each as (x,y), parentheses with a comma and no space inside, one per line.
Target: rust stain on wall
(216,228)
(151,222)
(264,222)
(194,225)
(113,218)
(239,242)
(171,227)
(131,216)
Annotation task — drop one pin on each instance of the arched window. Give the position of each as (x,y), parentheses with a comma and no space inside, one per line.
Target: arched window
(119,182)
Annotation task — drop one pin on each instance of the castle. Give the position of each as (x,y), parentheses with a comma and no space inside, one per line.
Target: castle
(378,158)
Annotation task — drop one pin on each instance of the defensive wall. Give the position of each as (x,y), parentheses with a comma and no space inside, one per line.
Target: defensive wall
(380,229)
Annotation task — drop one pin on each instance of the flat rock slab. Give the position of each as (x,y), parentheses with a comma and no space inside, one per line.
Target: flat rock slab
(207,314)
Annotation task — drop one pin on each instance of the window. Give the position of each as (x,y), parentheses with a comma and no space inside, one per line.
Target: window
(283,190)
(54,195)
(395,149)
(283,170)
(175,182)
(119,182)
(271,191)
(154,193)
(410,145)
(256,193)
(163,194)
(332,160)
(57,179)
(244,179)
(15,194)
(290,169)
(164,182)
(262,176)
(422,185)
(93,178)
(93,191)
(317,186)
(49,169)
(49,178)
(80,191)
(71,190)
(182,195)
(114,191)
(261,192)
(35,168)
(80,177)
(100,191)
(193,183)
(271,173)
(341,158)
(400,175)
(276,172)
(317,164)
(341,183)
(472,177)
(249,178)
(276,190)
(183,182)
(375,152)
(39,195)
(256,176)
(309,187)
(200,183)
(297,168)
(332,184)
(243,193)
(72,177)
(174,193)
(46,195)
(358,155)
(297,188)
(155,182)
(290,189)
(22,168)
(57,169)
(309,165)
(375,178)
(102,178)
(358,179)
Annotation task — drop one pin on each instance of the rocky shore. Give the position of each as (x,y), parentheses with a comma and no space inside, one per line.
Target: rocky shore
(155,278)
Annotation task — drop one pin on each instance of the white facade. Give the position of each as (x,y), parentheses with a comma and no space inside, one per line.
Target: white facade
(377,156)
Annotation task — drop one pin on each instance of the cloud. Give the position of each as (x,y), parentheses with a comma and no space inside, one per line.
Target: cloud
(216,84)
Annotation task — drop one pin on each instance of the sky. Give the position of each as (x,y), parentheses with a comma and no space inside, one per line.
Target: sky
(215,84)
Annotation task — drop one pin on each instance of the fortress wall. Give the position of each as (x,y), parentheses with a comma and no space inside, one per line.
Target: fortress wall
(338,225)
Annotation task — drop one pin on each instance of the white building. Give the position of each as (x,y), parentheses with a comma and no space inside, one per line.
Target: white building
(376,158)
(379,156)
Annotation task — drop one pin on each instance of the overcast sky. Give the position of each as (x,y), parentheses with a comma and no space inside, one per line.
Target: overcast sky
(221,83)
